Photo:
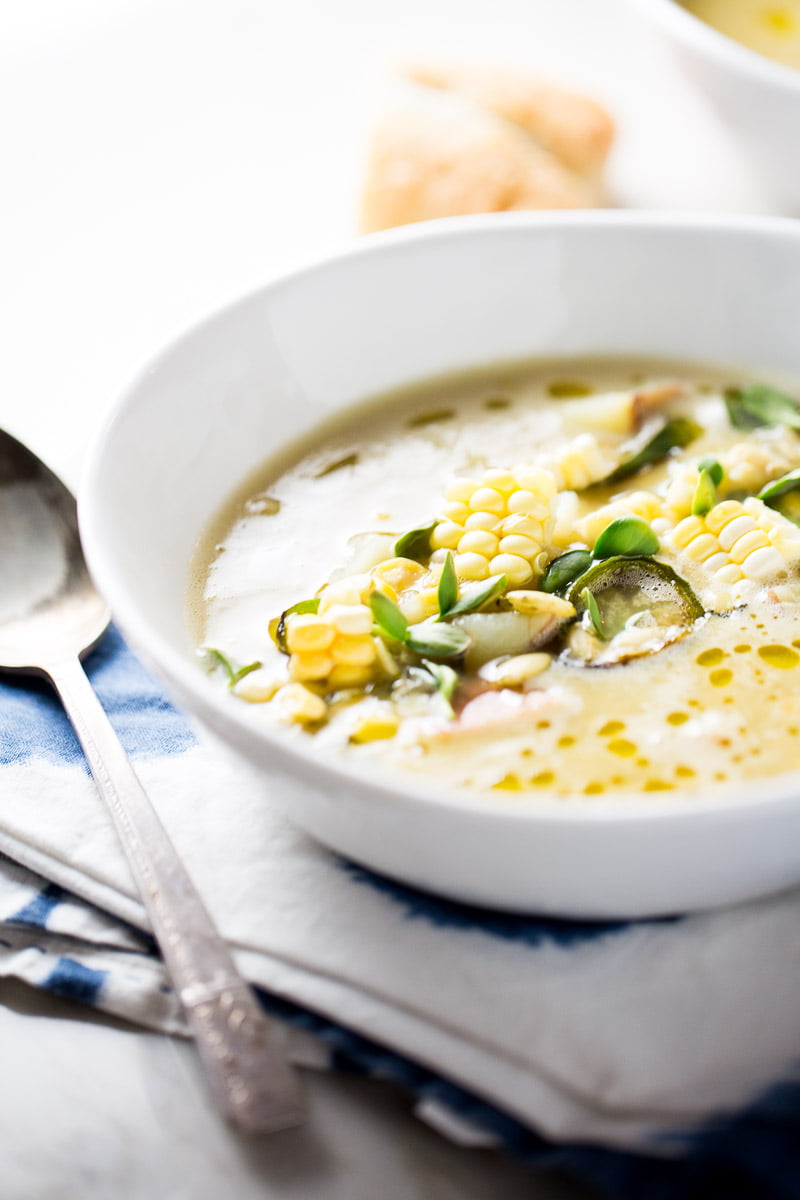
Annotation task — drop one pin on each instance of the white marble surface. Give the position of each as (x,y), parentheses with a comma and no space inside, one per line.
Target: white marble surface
(91,1110)
(158,158)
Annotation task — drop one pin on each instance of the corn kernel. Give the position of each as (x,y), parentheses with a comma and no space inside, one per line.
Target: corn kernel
(455,510)
(721,514)
(478,541)
(446,535)
(763,563)
(400,573)
(738,527)
(460,489)
(305,631)
(524,526)
(259,685)
(729,574)
(501,481)
(517,569)
(482,520)
(754,540)
(537,480)
(301,705)
(471,566)
(375,726)
(701,547)
(515,543)
(685,530)
(350,590)
(486,499)
(350,618)
(310,665)
(525,502)
(354,651)
(418,606)
(342,676)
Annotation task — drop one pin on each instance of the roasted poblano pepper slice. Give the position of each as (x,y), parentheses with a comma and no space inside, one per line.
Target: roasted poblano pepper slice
(623,587)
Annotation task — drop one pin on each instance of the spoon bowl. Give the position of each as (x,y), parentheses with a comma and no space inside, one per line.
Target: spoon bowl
(50,616)
(48,605)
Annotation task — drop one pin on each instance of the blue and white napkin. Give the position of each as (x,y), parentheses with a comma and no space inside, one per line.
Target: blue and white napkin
(654,1059)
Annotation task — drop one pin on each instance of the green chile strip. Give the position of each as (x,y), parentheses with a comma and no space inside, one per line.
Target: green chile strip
(563,570)
(759,404)
(674,434)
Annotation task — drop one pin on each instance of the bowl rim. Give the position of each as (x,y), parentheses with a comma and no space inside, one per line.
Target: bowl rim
(314,766)
(691,29)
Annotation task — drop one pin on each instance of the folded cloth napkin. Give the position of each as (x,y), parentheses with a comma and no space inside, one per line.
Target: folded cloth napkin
(653,1059)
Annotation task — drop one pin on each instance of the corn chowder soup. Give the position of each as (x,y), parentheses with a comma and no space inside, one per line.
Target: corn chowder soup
(770,27)
(564,579)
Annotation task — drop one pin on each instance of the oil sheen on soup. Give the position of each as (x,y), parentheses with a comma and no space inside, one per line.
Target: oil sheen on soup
(563,579)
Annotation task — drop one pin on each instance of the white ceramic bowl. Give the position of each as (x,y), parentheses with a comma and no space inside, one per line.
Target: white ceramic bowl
(405,306)
(760,98)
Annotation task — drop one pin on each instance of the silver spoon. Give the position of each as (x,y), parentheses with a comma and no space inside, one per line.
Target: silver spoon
(51,615)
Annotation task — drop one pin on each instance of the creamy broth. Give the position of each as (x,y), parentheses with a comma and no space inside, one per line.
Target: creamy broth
(770,27)
(652,682)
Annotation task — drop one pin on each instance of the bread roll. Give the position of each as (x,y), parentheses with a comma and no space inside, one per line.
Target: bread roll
(437,153)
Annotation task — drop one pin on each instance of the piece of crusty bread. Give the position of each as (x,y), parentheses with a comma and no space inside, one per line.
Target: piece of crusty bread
(573,127)
(437,153)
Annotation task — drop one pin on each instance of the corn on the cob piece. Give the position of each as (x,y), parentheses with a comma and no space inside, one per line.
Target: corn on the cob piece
(646,505)
(334,647)
(498,524)
(738,541)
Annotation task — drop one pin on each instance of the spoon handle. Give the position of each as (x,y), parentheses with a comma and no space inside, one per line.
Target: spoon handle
(254,1085)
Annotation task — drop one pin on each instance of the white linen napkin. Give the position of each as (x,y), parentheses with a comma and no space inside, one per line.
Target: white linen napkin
(613,1048)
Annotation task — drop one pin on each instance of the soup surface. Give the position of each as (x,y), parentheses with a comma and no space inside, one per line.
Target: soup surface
(556,578)
(770,27)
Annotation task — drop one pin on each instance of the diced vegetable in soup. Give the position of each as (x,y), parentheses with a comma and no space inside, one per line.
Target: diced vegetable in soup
(554,578)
